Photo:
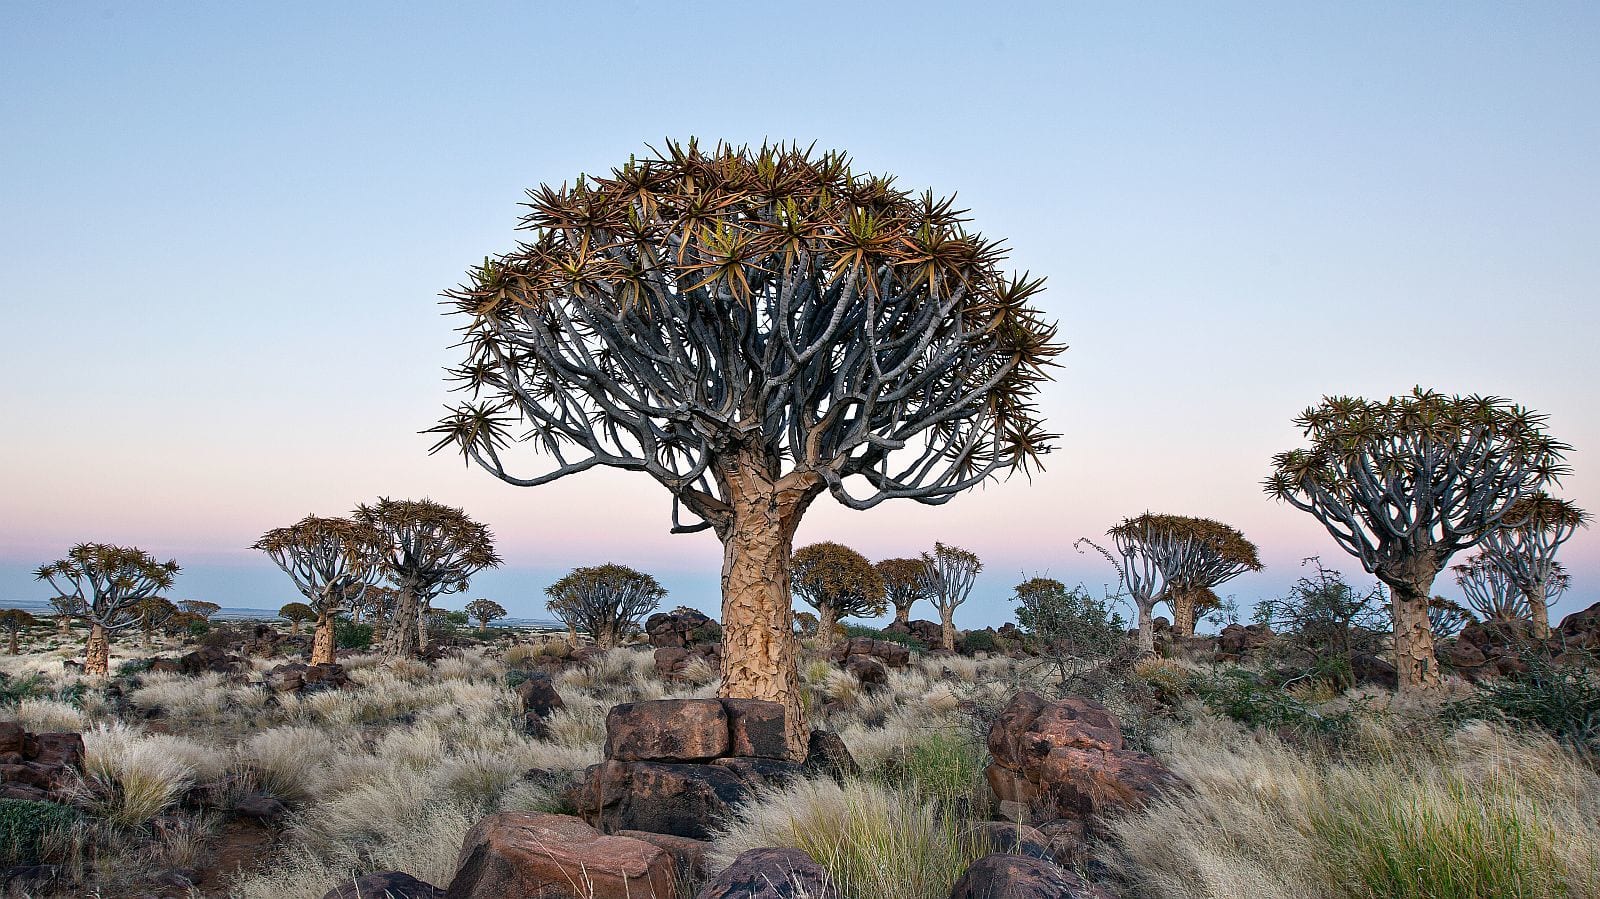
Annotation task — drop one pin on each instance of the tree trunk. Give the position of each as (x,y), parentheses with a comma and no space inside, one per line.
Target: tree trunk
(607,638)
(1413,637)
(827,626)
(63,625)
(902,614)
(947,628)
(572,636)
(322,648)
(1538,612)
(400,638)
(758,640)
(13,642)
(97,655)
(1147,627)
(1183,613)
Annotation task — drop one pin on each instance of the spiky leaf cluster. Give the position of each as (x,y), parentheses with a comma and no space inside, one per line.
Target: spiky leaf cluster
(838,581)
(1524,548)
(773,299)
(103,584)
(434,548)
(332,561)
(1495,594)
(1198,553)
(1420,475)
(905,582)
(604,601)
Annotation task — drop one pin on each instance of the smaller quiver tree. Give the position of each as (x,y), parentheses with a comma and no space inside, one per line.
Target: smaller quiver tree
(1142,547)
(154,612)
(905,583)
(485,610)
(839,583)
(297,613)
(66,609)
(14,620)
(332,562)
(1200,554)
(199,607)
(1406,483)
(105,585)
(1524,549)
(430,549)
(952,572)
(604,601)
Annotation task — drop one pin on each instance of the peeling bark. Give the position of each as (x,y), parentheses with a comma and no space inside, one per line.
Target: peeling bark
(401,639)
(902,614)
(1539,611)
(1413,637)
(1147,627)
(97,655)
(947,629)
(322,648)
(828,626)
(1183,603)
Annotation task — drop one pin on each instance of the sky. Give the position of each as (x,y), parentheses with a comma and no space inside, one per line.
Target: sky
(224,229)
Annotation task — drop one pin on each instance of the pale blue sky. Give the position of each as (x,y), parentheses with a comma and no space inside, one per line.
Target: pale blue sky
(223,230)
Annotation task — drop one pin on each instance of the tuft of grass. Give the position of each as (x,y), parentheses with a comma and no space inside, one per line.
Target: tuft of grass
(50,716)
(135,777)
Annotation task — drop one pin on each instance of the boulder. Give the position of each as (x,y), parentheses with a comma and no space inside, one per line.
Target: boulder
(869,671)
(756,729)
(891,654)
(827,754)
(38,766)
(679,799)
(673,662)
(385,885)
(1581,629)
(688,856)
(771,874)
(1012,839)
(1066,759)
(675,730)
(681,627)
(262,808)
(929,633)
(1022,877)
(515,854)
(1238,641)
(208,658)
(539,696)
(758,773)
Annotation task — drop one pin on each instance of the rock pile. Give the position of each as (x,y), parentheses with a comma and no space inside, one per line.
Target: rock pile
(871,660)
(929,633)
(297,677)
(674,766)
(682,636)
(37,766)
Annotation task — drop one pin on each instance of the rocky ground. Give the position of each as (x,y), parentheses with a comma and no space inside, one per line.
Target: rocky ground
(513,764)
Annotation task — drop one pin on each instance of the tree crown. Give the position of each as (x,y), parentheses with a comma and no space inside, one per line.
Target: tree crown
(773,301)
(833,576)
(604,599)
(905,581)
(485,610)
(437,548)
(297,611)
(102,582)
(332,561)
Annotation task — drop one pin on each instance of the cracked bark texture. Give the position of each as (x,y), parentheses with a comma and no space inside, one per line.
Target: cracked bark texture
(97,655)
(322,643)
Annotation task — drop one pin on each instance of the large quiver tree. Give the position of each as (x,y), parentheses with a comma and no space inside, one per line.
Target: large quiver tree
(1406,483)
(839,583)
(905,583)
(1199,555)
(105,585)
(1524,549)
(428,549)
(332,562)
(752,328)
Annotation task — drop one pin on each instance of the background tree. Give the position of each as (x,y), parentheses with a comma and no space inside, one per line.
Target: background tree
(430,549)
(905,583)
(14,620)
(199,607)
(297,613)
(604,601)
(1143,549)
(1494,596)
(1325,620)
(951,573)
(332,561)
(153,612)
(1525,550)
(485,610)
(1072,631)
(105,584)
(66,609)
(752,328)
(1406,483)
(839,583)
(1198,555)
(806,624)
(1446,617)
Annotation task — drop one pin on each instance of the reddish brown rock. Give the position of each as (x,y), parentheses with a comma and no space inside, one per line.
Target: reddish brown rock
(672,730)
(385,885)
(12,737)
(1028,728)
(758,773)
(539,696)
(1022,877)
(827,754)
(869,671)
(1238,641)
(771,874)
(755,728)
(999,837)
(514,854)
(684,800)
(688,856)
(1085,783)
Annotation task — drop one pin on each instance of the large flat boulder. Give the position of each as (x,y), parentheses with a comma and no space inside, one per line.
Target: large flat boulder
(515,855)
(667,730)
(771,874)
(680,799)
(1002,876)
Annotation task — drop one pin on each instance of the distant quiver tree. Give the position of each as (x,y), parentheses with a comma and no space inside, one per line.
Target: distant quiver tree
(751,328)
(952,572)
(604,601)
(839,583)
(297,613)
(1198,555)
(428,549)
(905,583)
(1141,552)
(105,584)
(1405,483)
(485,610)
(332,562)
(14,620)
(1524,549)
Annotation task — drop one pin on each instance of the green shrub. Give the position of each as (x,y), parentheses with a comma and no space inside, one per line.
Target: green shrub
(199,627)
(15,689)
(906,640)
(945,766)
(25,826)
(978,641)
(1563,700)
(1248,699)
(352,634)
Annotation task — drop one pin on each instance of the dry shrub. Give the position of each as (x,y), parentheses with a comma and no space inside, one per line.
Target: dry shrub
(289,761)
(50,716)
(1406,812)
(134,777)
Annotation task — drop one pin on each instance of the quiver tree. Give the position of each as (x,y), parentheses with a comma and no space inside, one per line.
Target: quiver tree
(1197,555)
(297,613)
(104,585)
(1494,596)
(66,609)
(1406,483)
(1142,551)
(485,610)
(751,328)
(839,583)
(1524,548)
(14,620)
(952,572)
(428,550)
(905,583)
(332,562)
(604,601)
(153,612)
(199,607)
